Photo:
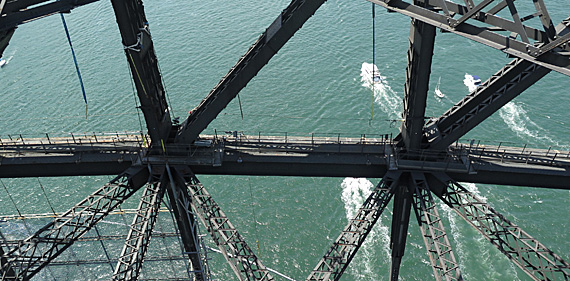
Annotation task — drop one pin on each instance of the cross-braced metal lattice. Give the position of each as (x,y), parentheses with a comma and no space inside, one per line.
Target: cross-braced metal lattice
(413,165)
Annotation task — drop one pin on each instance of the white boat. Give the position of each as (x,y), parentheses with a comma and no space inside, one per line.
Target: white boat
(472,82)
(438,93)
(2,62)
(371,72)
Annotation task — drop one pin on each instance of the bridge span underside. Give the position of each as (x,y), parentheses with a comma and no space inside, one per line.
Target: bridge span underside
(286,156)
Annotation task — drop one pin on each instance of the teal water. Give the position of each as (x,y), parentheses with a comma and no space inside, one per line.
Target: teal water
(312,85)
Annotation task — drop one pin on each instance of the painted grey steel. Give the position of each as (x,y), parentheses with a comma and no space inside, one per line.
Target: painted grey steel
(35,252)
(539,262)
(139,50)
(245,264)
(442,259)
(268,44)
(338,257)
(421,157)
(134,250)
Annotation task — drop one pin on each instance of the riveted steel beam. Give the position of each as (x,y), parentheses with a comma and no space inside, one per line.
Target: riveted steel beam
(478,105)
(133,253)
(344,248)
(35,252)
(539,262)
(143,64)
(258,55)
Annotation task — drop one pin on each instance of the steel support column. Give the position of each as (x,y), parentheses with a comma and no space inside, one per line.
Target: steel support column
(143,63)
(420,53)
(186,221)
(400,222)
(339,256)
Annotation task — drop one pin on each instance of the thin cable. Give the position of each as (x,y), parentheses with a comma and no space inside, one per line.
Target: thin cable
(165,91)
(373,59)
(240,108)
(25,223)
(104,249)
(11,199)
(255,220)
(47,199)
(75,61)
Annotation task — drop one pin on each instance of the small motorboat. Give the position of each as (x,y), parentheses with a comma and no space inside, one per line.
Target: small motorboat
(472,82)
(3,62)
(438,93)
(371,70)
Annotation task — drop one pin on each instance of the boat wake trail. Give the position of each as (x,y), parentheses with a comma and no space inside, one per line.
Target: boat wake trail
(365,265)
(383,95)
(518,121)
(473,249)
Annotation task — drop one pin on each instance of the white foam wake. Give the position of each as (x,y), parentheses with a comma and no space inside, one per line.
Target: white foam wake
(384,96)
(518,121)
(469,82)
(365,265)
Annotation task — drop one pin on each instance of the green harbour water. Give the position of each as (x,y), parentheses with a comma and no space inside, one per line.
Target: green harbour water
(313,85)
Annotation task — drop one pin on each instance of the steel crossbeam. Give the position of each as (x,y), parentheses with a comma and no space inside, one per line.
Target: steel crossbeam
(143,63)
(258,55)
(239,255)
(555,59)
(36,251)
(442,259)
(337,258)
(132,256)
(539,262)
(478,105)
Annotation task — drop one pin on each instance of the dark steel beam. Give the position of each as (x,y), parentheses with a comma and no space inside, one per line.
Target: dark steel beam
(418,70)
(180,202)
(143,63)
(239,255)
(400,222)
(258,55)
(35,252)
(440,252)
(16,14)
(477,106)
(344,248)
(6,270)
(133,253)
(539,262)
(553,59)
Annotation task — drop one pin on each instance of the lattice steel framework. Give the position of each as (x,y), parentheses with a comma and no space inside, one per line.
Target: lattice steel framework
(536,52)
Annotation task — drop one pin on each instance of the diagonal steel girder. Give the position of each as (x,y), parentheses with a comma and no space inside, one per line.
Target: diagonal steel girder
(338,257)
(239,255)
(22,11)
(36,251)
(420,54)
(539,262)
(478,105)
(132,256)
(554,59)
(180,202)
(258,55)
(442,259)
(143,64)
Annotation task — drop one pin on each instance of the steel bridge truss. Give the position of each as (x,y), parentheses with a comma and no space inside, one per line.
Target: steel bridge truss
(536,52)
